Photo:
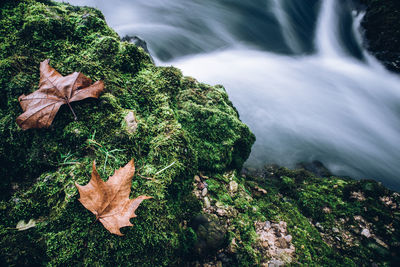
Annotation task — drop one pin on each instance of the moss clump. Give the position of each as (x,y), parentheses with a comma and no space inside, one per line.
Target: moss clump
(40,166)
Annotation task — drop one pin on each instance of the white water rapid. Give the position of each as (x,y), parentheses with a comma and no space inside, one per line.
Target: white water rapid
(295,70)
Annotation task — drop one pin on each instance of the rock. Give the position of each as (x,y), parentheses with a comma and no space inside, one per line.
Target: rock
(275,241)
(232,248)
(131,124)
(365,232)
(21,226)
(283,242)
(210,234)
(223,258)
(326,210)
(204,177)
(201,186)
(315,167)
(380,242)
(261,190)
(168,140)
(358,195)
(288,238)
(207,203)
(220,205)
(204,192)
(267,225)
(221,212)
(233,187)
(275,263)
(381,31)
(138,42)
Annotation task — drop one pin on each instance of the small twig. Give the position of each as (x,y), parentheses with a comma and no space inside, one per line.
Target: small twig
(144,177)
(160,171)
(169,166)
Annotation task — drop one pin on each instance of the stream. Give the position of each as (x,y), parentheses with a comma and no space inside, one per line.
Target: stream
(295,70)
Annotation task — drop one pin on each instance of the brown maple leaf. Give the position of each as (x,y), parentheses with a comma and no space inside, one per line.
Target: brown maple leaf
(109,201)
(41,106)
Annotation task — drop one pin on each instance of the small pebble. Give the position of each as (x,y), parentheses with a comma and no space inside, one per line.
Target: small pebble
(201,186)
(288,238)
(204,192)
(365,232)
(204,177)
(207,203)
(233,187)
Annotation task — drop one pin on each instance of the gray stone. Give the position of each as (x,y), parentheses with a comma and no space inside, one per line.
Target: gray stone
(267,225)
(365,232)
(207,203)
(288,238)
(131,124)
(233,187)
(204,192)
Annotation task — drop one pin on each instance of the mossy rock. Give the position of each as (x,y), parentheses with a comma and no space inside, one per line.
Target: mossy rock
(183,127)
(176,128)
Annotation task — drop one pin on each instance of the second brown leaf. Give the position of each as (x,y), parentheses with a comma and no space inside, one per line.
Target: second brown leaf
(110,201)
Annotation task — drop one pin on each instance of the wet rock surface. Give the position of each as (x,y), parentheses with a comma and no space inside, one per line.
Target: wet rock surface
(382,31)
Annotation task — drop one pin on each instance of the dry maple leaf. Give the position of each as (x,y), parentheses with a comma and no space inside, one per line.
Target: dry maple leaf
(109,201)
(41,106)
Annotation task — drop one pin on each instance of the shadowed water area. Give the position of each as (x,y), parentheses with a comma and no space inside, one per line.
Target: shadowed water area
(295,70)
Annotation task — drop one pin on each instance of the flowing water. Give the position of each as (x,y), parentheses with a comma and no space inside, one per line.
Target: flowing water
(295,70)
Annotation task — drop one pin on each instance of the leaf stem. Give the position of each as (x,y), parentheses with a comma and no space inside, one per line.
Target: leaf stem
(69,105)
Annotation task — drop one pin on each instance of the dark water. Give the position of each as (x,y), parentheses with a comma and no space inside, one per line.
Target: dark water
(296,71)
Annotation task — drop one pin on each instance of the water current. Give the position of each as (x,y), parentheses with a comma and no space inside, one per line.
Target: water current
(296,71)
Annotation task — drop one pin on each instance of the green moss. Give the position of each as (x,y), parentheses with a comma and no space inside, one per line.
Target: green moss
(322,216)
(45,163)
(183,128)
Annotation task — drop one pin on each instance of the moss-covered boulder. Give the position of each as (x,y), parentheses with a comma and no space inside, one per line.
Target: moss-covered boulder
(173,126)
(188,144)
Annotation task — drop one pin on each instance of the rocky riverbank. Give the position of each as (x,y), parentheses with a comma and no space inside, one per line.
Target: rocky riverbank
(189,146)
